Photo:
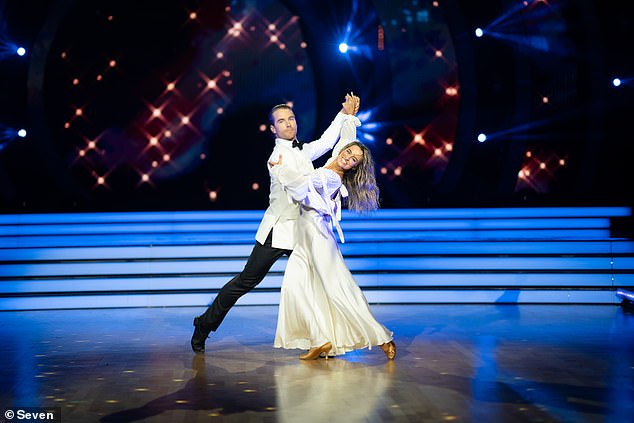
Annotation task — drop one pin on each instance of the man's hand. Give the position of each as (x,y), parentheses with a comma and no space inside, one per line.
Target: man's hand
(279,162)
(351,105)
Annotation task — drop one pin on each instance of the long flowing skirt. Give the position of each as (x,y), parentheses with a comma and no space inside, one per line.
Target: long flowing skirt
(320,301)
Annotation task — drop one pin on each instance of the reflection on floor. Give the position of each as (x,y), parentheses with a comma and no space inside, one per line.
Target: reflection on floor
(479,363)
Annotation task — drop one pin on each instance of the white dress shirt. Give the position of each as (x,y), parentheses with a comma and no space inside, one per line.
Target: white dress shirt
(281,215)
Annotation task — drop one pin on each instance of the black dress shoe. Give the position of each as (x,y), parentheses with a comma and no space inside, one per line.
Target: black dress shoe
(199,337)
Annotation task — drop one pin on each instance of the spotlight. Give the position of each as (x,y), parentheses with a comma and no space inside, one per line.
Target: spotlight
(21,51)
(482,137)
(616,82)
(343,48)
(479,32)
(22,133)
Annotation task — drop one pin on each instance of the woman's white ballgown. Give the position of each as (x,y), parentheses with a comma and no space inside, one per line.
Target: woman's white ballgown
(320,301)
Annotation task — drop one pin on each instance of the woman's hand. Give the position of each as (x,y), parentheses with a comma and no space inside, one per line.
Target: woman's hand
(279,162)
(351,105)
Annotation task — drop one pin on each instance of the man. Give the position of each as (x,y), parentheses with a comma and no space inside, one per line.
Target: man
(276,234)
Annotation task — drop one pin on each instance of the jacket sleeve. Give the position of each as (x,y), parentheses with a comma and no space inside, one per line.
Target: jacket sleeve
(321,146)
(294,182)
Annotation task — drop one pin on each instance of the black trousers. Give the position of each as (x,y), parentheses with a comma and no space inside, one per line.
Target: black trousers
(260,261)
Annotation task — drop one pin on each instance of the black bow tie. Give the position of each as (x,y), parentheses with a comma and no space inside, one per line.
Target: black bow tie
(298,144)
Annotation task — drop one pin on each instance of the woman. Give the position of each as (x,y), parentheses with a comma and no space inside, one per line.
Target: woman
(322,309)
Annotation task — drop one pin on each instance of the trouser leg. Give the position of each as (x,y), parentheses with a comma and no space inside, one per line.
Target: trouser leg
(260,261)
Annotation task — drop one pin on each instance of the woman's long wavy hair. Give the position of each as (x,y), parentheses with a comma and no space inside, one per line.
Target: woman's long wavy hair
(363,192)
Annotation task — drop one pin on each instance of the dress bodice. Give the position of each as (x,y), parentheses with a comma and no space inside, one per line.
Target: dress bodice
(330,177)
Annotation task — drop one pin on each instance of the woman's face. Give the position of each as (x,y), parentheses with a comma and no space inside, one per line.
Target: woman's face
(350,157)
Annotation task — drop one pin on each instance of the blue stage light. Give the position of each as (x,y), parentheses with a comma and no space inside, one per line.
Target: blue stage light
(482,137)
(627,297)
(343,48)
(21,51)
(625,294)
(22,133)
(479,32)
(616,82)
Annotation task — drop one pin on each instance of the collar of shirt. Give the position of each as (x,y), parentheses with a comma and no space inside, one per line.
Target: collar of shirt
(301,161)
(286,143)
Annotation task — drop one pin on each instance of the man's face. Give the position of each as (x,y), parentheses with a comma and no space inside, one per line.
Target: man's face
(284,125)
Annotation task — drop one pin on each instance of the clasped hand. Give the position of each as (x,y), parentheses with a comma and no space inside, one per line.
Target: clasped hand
(351,105)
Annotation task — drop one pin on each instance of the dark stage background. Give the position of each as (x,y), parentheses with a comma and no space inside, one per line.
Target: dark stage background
(141,105)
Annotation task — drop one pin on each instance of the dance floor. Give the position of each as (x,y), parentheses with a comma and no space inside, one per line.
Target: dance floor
(477,363)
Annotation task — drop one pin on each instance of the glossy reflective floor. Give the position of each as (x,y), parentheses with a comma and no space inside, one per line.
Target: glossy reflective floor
(475,363)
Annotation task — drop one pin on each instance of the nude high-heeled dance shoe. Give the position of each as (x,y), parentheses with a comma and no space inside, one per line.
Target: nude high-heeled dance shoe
(314,353)
(389,348)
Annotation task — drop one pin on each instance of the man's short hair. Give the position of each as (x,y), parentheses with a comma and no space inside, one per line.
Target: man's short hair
(278,107)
